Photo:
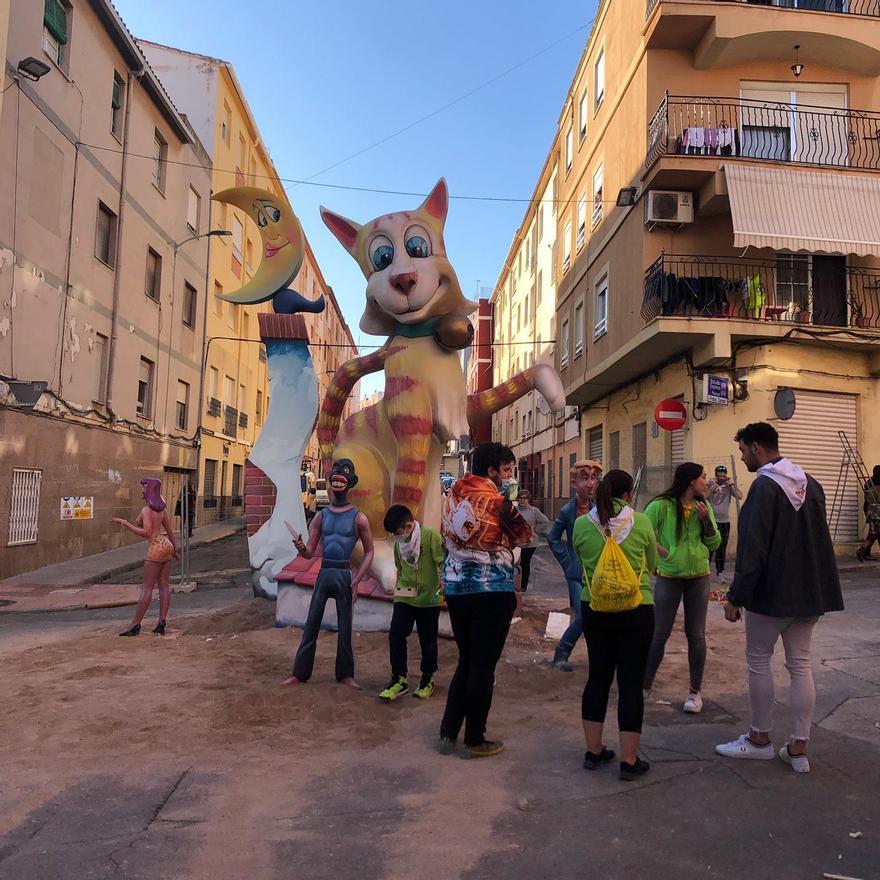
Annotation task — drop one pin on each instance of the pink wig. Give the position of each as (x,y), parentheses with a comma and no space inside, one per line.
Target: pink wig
(153,494)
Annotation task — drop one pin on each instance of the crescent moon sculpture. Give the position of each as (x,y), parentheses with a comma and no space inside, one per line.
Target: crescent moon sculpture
(282,252)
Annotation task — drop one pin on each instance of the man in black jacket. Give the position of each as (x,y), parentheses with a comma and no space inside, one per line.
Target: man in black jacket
(786,578)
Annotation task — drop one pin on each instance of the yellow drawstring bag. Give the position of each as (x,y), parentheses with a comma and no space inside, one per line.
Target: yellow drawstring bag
(615,586)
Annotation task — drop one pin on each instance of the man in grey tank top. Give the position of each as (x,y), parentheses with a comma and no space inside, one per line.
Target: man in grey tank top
(337,528)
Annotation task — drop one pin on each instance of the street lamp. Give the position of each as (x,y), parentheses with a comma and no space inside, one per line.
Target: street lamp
(185,512)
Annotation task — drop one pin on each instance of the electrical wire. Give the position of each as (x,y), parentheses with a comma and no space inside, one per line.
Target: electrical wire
(348,187)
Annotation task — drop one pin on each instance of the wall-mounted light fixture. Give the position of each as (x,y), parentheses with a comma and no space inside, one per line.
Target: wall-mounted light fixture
(32,68)
(627,196)
(797,68)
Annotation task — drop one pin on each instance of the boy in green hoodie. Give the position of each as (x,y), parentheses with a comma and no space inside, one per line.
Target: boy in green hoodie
(418,555)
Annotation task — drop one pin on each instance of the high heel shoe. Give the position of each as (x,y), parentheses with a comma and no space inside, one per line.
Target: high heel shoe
(160,628)
(134,631)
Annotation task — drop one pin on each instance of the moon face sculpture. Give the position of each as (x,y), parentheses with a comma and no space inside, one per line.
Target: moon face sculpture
(282,239)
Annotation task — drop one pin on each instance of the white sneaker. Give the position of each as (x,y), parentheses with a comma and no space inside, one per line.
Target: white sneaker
(798,763)
(743,747)
(693,705)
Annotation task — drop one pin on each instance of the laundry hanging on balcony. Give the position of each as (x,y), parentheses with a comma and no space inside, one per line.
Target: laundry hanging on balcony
(814,211)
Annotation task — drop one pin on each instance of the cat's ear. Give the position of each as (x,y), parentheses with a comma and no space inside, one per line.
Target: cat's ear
(345,230)
(437,203)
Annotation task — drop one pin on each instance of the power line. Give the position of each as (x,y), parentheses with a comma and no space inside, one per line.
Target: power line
(367,189)
(449,104)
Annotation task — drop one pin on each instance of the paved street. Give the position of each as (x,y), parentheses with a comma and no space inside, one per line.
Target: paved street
(180,758)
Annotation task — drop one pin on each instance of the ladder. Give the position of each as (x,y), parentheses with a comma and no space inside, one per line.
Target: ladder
(851,461)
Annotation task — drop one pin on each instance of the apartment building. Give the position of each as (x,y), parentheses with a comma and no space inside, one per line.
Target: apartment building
(720,231)
(102,283)
(237,392)
(523,305)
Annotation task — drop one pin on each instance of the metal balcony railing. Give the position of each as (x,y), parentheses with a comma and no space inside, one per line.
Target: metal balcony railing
(845,7)
(793,288)
(767,131)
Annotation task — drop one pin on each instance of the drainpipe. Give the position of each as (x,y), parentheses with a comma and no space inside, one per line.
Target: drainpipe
(117,253)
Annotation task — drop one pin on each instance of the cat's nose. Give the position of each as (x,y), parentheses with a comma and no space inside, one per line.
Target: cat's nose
(404,282)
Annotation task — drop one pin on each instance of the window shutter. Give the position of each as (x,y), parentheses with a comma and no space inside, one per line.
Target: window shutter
(117,103)
(55,19)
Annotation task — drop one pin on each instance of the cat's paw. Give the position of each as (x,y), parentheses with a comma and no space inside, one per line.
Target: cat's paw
(548,383)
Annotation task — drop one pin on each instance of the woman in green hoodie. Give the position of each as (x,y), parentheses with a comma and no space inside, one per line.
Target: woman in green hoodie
(617,641)
(687,534)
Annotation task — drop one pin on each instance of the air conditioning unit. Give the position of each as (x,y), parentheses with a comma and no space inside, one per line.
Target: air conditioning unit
(668,208)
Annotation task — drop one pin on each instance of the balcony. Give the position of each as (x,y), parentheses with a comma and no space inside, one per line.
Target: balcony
(799,134)
(845,7)
(810,289)
(724,33)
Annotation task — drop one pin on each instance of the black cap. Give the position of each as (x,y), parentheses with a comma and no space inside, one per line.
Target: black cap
(721,469)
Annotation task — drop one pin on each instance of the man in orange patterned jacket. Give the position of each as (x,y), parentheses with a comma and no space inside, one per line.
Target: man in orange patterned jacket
(480,529)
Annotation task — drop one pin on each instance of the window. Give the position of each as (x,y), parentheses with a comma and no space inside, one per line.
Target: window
(55,30)
(226,123)
(190,298)
(594,443)
(182,404)
(218,300)
(213,382)
(229,391)
(237,238)
(145,389)
(209,482)
(598,182)
(555,191)
(24,509)
(192,210)
(566,247)
(601,305)
(100,351)
(242,398)
(116,105)
(242,152)
(259,408)
(160,160)
(599,80)
(793,281)
(582,116)
(539,289)
(249,257)
(639,446)
(232,315)
(582,221)
(105,235)
(563,347)
(578,330)
(153,286)
(569,148)
(613,450)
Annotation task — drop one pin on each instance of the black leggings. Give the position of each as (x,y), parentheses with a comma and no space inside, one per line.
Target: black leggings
(525,564)
(617,642)
(721,552)
(480,624)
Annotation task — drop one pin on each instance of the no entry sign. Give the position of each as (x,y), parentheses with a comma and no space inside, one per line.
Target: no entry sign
(670,414)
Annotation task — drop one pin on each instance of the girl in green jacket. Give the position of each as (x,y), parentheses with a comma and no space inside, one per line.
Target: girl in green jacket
(617,641)
(686,534)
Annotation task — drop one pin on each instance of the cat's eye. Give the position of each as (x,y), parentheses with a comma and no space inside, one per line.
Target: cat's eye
(274,213)
(417,242)
(381,252)
(261,218)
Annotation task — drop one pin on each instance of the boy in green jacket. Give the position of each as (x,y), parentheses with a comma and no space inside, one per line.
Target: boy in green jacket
(418,555)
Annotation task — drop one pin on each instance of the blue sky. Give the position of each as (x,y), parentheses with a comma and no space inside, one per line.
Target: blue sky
(325,80)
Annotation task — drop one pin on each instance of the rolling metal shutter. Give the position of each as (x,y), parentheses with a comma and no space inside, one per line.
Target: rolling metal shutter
(810,439)
(676,447)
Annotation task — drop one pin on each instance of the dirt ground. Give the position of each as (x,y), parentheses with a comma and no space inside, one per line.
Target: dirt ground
(180,757)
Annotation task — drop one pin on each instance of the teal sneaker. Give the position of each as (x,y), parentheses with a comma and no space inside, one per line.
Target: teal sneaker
(395,688)
(425,688)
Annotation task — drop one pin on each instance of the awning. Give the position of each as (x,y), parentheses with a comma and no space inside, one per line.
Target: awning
(827,211)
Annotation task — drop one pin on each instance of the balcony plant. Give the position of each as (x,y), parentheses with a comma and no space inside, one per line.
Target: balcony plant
(858,318)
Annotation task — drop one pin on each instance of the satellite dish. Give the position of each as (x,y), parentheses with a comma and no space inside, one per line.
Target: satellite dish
(784,403)
(541,405)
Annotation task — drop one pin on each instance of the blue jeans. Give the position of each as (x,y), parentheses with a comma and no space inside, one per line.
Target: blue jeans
(576,628)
